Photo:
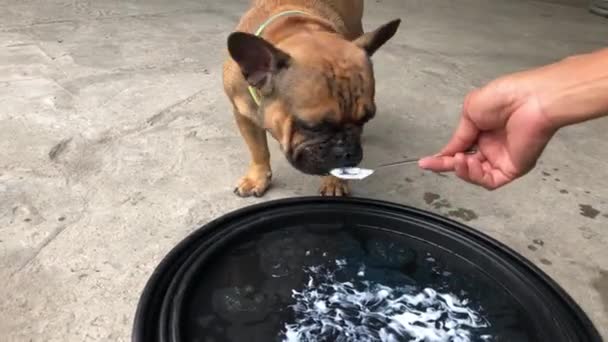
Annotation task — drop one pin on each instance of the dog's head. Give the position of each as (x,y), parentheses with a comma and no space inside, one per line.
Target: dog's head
(318,92)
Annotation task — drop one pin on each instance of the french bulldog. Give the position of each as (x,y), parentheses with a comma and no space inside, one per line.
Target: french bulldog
(301,71)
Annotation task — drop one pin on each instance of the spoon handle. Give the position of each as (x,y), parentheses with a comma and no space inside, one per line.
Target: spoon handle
(401,162)
(415,160)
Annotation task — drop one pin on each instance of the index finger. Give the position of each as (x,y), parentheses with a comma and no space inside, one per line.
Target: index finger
(437,163)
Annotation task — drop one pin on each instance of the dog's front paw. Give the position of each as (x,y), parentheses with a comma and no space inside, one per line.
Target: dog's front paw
(255,183)
(334,187)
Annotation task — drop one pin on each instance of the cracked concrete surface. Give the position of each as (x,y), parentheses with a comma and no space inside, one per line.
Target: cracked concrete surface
(116,141)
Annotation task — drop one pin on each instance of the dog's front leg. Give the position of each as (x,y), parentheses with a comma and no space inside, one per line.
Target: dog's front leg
(332,186)
(258,177)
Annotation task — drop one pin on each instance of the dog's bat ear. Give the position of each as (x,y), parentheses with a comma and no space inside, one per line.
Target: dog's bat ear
(258,59)
(372,41)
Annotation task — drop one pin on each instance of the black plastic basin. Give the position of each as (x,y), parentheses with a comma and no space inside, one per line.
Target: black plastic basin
(322,269)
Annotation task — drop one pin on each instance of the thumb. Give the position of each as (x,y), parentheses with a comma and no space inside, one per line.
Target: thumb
(463,138)
(489,106)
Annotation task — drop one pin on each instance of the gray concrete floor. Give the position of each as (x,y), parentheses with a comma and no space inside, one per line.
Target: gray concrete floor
(116,141)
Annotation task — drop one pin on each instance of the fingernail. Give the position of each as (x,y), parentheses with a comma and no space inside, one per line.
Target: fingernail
(422,163)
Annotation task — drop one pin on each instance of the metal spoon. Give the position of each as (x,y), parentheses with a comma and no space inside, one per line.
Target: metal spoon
(358,173)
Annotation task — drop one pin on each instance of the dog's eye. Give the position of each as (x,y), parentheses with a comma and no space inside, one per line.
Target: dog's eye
(313,128)
(370,112)
(321,128)
(305,127)
(300,124)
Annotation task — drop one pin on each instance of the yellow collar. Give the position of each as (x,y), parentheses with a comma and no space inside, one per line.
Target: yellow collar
(258,33)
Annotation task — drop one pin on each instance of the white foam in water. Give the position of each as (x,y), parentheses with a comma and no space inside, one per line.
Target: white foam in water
(364,312)
(361,272)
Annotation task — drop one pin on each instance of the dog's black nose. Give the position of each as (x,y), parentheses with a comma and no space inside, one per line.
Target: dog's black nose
(348,156)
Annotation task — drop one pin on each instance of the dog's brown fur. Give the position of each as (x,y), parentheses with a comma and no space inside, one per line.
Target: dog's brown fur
(329,81)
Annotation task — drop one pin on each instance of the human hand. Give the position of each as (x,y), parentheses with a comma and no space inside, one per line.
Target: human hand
(508,128)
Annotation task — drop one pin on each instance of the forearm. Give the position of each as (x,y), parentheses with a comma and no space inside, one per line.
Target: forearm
(575,89)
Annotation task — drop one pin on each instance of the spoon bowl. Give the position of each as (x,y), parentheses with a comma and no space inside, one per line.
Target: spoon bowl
(352,173)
